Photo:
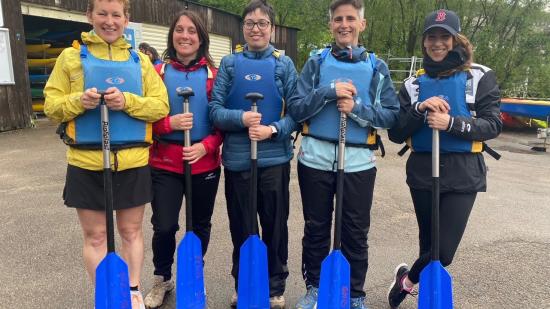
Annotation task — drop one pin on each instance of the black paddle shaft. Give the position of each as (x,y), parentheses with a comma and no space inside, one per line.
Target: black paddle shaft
(434,254)
(186,93)
(254,97)
(107,174)
(340,182)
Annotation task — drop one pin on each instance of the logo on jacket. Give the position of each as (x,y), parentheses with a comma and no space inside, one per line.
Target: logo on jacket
(252,77)
(115,80)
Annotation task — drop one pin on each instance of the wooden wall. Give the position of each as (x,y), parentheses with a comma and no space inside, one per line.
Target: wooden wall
(15,100)
(161,12)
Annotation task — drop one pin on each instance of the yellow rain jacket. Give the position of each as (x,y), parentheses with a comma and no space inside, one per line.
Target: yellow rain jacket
(66,85)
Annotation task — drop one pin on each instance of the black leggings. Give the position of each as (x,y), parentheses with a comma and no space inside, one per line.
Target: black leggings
(168,193)
(454,210)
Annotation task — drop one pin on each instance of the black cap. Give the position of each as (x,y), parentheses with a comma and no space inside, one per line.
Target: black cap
(445,19)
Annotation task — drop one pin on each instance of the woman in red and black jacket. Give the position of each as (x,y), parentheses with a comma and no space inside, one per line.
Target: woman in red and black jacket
(187,64)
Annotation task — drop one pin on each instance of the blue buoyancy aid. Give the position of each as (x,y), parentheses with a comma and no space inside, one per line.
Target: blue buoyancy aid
(198,104)
(256,75)
(84,131)
(325,124)
(453,90)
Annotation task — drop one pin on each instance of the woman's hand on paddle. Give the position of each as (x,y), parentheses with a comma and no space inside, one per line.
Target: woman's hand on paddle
(251,119)
(259,132)
(345,105)
(345,90)
(181,121)
(90,98)
(439,121)
(434,104)
(194,153)
(114,99)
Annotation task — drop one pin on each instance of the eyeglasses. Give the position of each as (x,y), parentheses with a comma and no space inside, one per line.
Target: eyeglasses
(262,24)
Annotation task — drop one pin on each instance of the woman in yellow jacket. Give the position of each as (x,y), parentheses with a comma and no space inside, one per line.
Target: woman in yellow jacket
(136,97)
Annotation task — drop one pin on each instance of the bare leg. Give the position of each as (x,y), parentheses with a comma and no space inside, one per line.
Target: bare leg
(95,238)
(129,224)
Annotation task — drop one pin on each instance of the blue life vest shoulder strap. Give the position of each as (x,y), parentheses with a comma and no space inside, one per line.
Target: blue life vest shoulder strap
(84,53)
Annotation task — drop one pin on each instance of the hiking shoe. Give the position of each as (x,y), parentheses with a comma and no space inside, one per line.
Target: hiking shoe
(137,300)
(277,302)
(358,303)
(234,299)
(308,301)
(155,298)
(397,293)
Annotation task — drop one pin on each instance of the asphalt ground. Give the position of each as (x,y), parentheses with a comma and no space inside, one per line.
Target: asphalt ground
(502,262)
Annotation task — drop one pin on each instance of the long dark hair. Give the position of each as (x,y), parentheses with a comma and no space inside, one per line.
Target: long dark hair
(170,52)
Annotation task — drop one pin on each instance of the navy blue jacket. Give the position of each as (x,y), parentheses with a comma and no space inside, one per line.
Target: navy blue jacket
(236,145)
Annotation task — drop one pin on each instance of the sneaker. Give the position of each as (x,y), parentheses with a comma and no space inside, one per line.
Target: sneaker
(397,293)
(137,300)
(233,302)
(155,298)
(358,303)
(277,302)
(308,301)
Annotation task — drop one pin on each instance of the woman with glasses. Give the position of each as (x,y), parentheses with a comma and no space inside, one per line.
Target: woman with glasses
(257,67)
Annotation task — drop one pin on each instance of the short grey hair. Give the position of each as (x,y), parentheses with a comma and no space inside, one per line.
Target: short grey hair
(359,5)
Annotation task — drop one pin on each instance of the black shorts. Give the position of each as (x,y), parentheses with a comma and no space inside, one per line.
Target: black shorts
(84,188)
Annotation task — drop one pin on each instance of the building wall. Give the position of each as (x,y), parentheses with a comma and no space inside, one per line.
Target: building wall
(15,100)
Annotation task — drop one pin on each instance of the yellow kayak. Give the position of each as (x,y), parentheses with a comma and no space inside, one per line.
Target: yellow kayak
(35,48)
(54,51)
(39,63)
(37,105)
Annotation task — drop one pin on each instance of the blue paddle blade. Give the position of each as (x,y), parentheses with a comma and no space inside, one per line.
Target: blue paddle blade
(112,286)
(334,288)
(436,287)
(190,276)
(253,279)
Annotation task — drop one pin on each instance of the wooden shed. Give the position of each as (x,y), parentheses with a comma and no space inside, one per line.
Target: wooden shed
(39,29)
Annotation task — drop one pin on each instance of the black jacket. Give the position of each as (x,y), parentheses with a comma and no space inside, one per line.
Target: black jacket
(459,172)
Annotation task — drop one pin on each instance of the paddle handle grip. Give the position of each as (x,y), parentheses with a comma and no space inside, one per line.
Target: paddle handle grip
(340,182)
(434,254)
(186,93)
(253,196)
(107,175)
(253,225)
(187,166)
(254,144)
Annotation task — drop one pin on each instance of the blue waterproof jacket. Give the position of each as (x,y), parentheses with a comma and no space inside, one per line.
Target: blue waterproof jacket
(236,146)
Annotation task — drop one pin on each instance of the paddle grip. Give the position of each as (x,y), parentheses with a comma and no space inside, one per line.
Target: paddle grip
(253,226)
(434,254)
(186,93)
(107,175)
(340,182)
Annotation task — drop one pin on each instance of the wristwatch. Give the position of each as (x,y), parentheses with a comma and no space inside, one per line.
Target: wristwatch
(274,131)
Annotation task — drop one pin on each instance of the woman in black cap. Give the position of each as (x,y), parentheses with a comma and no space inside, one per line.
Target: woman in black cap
(462,100)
